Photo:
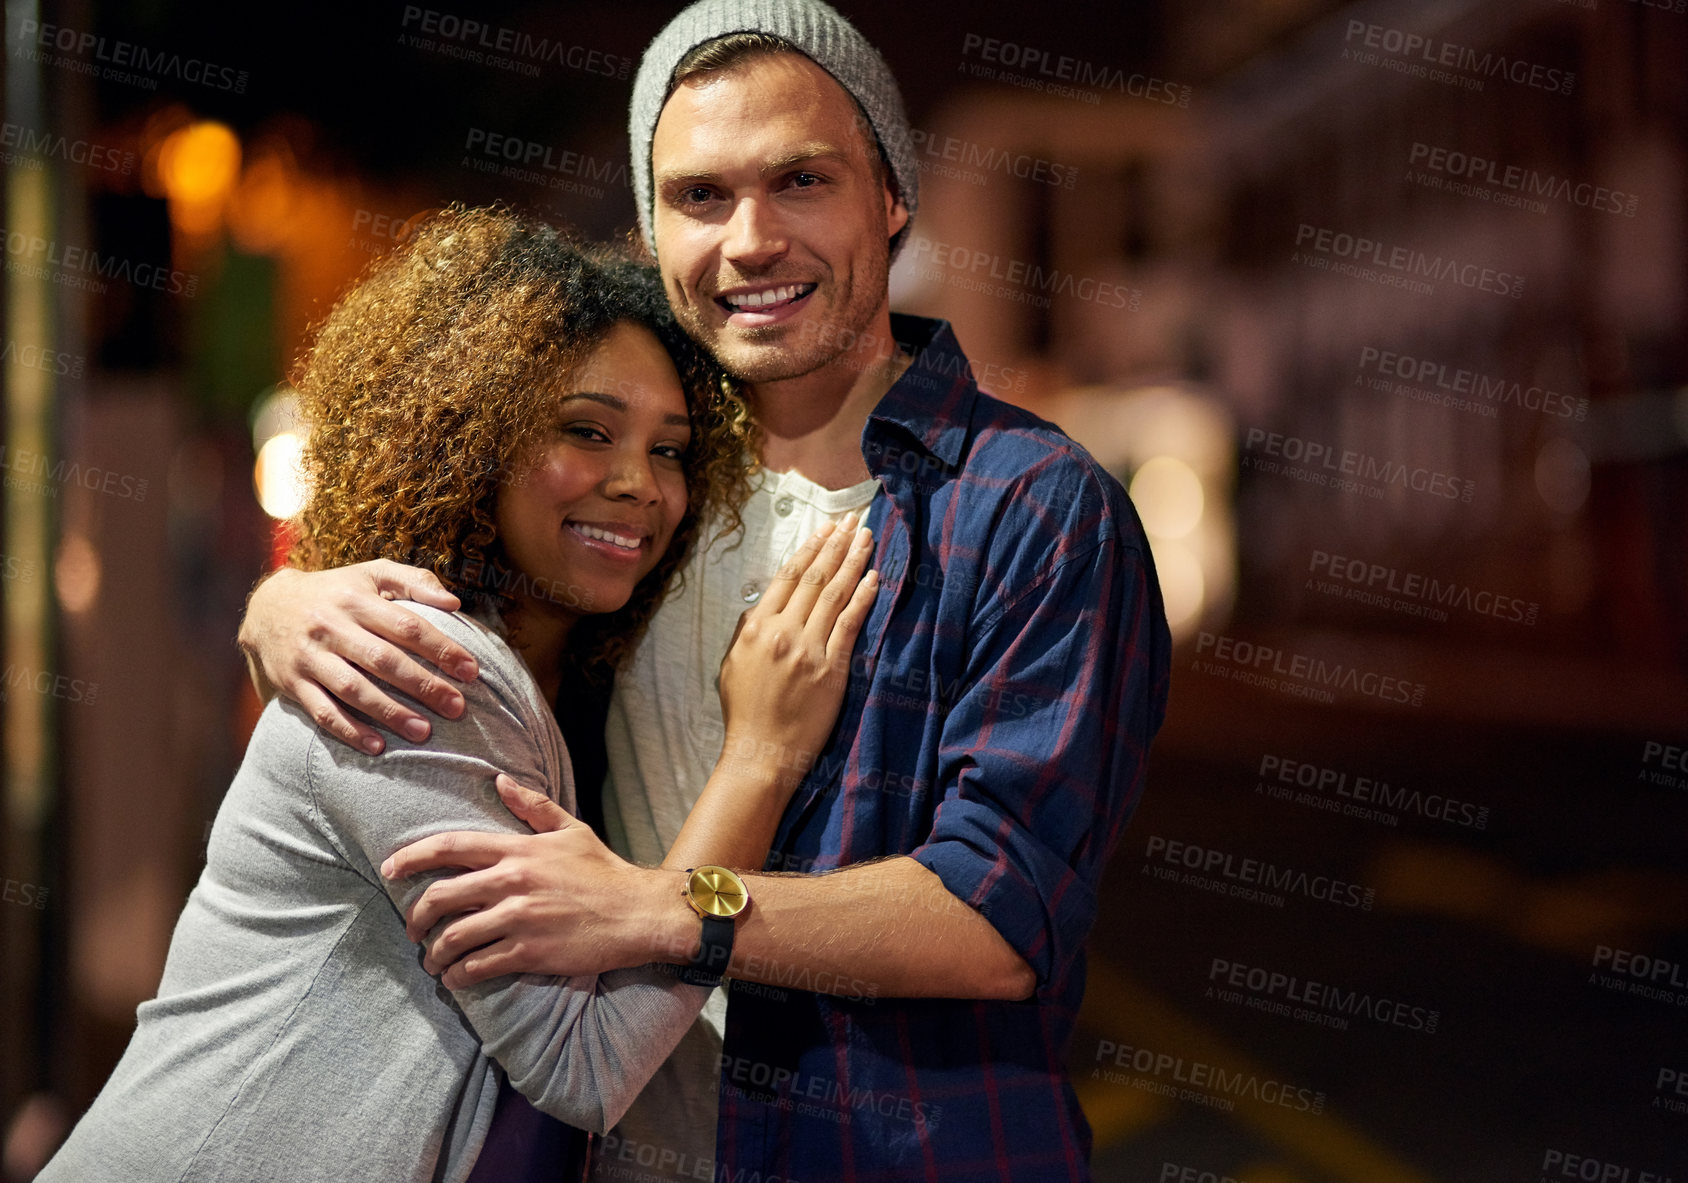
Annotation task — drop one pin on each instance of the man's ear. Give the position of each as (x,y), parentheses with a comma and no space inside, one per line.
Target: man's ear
(896,213)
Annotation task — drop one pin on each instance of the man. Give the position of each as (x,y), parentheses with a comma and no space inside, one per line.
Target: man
(1003,693)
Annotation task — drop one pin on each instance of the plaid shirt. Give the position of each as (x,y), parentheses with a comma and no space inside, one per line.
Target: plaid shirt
(1006,689)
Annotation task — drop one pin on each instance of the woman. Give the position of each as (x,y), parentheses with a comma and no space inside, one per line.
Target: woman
(510,412)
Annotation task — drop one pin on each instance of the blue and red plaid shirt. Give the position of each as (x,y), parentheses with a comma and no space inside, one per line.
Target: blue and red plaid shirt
(1006,689)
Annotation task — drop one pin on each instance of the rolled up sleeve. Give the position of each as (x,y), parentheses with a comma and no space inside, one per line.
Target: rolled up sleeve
(1042,754)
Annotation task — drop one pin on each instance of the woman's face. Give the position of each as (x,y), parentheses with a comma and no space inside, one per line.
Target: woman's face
(598,509)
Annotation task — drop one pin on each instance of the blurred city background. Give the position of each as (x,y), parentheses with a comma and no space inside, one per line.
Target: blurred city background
(1378,309)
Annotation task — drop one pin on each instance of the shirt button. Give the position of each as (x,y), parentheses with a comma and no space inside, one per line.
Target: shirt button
(783,506)
(751,593)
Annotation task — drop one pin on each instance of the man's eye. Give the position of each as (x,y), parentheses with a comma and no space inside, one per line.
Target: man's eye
(805,180)
(695,195)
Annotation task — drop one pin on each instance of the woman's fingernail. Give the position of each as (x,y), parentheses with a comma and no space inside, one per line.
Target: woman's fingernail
(372,745)
(387,869)
(416,729)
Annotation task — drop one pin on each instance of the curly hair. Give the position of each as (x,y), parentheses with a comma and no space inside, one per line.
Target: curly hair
(431,382)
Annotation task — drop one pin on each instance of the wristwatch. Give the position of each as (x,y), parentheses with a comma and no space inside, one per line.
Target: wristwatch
(720,897)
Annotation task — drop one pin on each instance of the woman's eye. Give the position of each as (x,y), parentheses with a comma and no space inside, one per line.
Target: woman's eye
(669,451)
(587,432)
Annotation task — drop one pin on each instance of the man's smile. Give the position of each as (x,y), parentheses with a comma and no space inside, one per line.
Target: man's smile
(763,305)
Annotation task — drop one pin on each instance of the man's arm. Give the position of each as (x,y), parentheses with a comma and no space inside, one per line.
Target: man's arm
(317,637)
(888,928)
(1042,759)
(1043,756)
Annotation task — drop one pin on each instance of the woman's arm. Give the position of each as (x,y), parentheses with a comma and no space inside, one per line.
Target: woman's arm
(582,1047)
(782,683)
(579,1047)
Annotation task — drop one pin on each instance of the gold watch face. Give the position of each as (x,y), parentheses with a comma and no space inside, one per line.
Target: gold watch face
(716,891)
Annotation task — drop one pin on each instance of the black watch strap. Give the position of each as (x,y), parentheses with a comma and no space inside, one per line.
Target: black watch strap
(710,964)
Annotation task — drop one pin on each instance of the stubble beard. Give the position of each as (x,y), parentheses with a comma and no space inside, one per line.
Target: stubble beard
(779,353)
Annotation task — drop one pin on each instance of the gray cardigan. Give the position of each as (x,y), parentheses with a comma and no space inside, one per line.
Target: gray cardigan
(296,1035)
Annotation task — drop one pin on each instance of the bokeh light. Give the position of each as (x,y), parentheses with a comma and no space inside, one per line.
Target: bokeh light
(1168,495)
(197,166)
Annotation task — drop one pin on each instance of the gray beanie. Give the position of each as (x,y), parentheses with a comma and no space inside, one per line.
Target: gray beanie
(814,29)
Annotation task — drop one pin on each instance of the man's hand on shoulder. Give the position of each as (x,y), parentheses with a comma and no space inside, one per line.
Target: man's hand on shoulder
(557,901)
(318,638)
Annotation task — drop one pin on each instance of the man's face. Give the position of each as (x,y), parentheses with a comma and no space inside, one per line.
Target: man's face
(771,228)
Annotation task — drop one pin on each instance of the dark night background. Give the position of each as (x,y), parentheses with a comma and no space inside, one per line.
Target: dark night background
(1524,933)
